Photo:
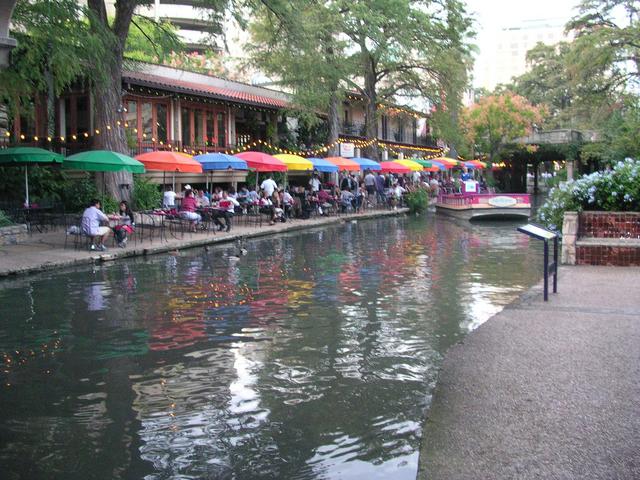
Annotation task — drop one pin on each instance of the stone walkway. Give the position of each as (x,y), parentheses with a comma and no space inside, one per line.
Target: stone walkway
(46,251)
(544,390)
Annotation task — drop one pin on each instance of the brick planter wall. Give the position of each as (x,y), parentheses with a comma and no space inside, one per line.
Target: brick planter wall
(609,225)
(13,234)
(608,238)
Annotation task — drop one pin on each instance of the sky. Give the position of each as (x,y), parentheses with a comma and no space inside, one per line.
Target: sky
(493,15)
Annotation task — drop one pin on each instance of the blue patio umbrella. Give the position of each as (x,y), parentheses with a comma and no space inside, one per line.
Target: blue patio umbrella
(438,164)
(322,165)
(366,164)
(220,161)
(470,165)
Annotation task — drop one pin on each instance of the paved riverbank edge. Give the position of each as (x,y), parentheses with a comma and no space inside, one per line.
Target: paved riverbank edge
(544,390)
(30,264)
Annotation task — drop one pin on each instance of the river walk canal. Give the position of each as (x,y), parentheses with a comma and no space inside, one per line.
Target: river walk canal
(313,356)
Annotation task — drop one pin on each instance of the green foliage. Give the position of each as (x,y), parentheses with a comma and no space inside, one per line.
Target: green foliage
(607,45)
(109,204)
(46,184)
(610,190)
(55,44)
(152,41)
(5,221)
(495,121)
(418,200)
(146,195)
(78,193)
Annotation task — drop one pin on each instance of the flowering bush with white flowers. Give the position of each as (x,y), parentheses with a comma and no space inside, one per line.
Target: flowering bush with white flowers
(612,190)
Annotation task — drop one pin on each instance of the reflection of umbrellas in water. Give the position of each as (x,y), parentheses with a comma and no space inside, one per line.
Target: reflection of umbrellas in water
(299,292)
(28,156)
(188,312)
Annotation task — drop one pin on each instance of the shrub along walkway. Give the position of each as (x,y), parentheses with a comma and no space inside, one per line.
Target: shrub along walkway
(544,390)
(46,251)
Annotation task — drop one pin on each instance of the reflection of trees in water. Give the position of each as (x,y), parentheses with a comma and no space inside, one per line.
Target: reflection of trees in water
(314,349)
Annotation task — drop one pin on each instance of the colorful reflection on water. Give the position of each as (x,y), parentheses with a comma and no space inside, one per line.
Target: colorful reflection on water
(314,356)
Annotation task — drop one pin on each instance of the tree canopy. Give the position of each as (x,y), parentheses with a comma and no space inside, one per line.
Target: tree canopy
(497,120)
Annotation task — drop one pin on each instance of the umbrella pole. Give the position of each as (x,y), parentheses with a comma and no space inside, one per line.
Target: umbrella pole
(257,180)
(26,185)
(164,176)
(174,181)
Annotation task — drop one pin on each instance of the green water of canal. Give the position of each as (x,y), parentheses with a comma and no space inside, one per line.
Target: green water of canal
(313,356)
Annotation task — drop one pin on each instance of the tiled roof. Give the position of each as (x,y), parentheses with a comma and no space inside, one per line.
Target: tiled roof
(182,86)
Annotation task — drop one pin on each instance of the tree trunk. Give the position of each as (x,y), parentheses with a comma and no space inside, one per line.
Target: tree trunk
(371,112)
(334,124)
(108,94)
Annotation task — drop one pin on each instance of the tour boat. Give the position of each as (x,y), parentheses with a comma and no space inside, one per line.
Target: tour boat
(470,205)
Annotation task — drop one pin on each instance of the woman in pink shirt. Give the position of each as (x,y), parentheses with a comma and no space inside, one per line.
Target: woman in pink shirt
(188,209)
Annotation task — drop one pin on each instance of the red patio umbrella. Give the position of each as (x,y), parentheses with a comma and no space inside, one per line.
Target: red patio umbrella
(394,167)
(262,162)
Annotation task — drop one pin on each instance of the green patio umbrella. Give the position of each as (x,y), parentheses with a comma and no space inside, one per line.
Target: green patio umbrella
(102,161)
(422,162)
(16,156)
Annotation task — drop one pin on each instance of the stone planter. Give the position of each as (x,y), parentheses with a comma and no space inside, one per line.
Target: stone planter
(601,238)
(13,234)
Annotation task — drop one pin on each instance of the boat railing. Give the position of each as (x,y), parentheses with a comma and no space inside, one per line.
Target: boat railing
(460,199)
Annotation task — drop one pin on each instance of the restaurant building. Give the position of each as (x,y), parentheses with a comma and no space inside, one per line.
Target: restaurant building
(166,108)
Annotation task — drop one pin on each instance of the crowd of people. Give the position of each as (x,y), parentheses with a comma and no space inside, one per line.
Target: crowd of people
(351,193)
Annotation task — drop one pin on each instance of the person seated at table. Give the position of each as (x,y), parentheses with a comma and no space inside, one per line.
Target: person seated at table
(346,200)
(125,225)
(252,195)
(226,209)
(202,200)
(325,201)
(91,227)
(169,198)
(188,209)
(287,203)
(398,192)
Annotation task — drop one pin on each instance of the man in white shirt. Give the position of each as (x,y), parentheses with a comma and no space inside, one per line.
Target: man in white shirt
(91,219)
(202,200)
(314,183)
(169,198)
(227,206)
(269,186)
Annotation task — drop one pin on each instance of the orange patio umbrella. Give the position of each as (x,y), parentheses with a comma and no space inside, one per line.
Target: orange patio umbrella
(165,161)
(344,164)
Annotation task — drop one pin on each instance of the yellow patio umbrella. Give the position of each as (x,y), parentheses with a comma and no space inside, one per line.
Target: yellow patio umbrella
(295,162)
(414,166)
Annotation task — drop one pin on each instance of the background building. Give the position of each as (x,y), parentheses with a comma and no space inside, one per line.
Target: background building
(507,52)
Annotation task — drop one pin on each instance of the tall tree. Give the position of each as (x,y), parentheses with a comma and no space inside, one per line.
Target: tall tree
(55,48)
(297,43)
(607,40)
(495,121)
(406,48)
(109,92)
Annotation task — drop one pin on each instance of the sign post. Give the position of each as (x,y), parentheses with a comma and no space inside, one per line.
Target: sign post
(541,233)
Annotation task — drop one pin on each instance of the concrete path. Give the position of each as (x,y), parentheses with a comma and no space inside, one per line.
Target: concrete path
(46,251)
(544,391)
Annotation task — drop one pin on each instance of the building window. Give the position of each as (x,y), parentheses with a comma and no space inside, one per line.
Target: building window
(198,127)
(131,118)
(162,116)
(222,131)
(385,127)
(210,139)
(146,113)
(186,126)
